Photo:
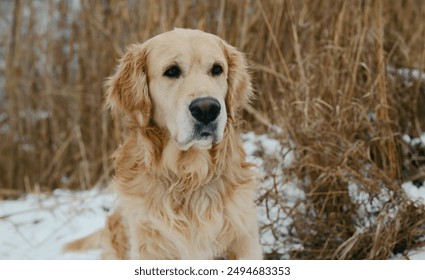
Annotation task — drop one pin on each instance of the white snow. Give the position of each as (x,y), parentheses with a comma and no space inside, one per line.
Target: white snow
(413,192)
(37,226)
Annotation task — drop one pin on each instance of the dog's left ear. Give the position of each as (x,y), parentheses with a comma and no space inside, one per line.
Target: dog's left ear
(239,81)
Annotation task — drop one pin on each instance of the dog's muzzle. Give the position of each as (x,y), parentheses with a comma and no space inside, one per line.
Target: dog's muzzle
(206,123)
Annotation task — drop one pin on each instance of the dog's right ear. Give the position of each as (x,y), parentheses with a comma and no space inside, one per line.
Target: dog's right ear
(127,90)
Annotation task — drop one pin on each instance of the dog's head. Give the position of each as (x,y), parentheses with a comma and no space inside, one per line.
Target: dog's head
(187,82)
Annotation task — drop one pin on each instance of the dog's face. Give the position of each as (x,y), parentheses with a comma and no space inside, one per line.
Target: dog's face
(188,86)
(187,82)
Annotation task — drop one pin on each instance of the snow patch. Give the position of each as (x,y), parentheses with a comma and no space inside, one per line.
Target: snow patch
(413,192)
(37,226)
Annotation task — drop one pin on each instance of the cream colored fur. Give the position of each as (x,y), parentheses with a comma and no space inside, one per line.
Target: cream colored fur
(179,197)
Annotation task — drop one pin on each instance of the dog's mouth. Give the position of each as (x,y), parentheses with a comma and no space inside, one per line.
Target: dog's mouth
(203,137)
(205,134)
(202,131)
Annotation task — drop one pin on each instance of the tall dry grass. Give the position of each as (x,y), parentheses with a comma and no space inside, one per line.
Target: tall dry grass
(325,72)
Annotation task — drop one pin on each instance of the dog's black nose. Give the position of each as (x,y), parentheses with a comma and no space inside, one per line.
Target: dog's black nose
(205,109)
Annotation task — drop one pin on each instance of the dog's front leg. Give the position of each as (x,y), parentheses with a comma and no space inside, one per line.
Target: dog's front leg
(141,243)
(147,243)
(246,241)
(247,247)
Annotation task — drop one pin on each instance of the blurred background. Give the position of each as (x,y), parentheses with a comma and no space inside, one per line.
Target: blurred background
(340,85)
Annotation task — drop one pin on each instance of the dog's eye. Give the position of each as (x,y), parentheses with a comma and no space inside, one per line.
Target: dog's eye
(216,70)
(173,72)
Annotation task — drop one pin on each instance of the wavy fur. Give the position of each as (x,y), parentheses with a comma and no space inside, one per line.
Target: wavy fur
(173,203)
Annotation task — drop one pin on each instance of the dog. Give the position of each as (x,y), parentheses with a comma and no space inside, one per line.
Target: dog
(184,189)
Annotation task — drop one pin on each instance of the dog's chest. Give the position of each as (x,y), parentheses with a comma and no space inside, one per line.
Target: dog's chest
(194,226)
(201,212)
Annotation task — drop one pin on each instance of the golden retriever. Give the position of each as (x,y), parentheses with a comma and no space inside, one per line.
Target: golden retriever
(184,189)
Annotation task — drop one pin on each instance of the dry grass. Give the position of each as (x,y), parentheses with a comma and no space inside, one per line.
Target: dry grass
(326,72)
